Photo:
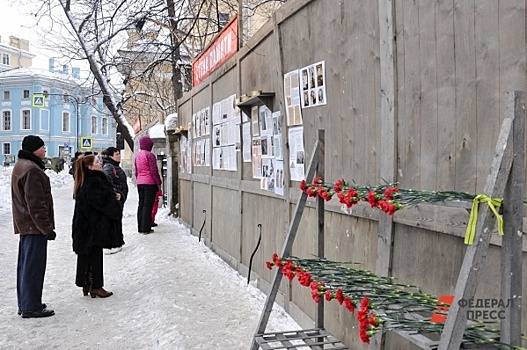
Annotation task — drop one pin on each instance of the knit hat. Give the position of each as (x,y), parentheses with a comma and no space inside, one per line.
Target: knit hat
(146,143)
(31,143)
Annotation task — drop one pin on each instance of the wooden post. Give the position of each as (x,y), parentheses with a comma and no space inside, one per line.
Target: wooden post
(475,254)
(388,124)
(284,138)
(388,128)
(288,245)
(512,242)
(319,314)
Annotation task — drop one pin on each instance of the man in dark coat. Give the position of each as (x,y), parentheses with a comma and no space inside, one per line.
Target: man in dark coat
(33,220)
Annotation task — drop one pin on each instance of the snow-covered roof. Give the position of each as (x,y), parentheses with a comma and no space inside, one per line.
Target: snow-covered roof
(16,51)
(171,121)
(35,72)
(157,131)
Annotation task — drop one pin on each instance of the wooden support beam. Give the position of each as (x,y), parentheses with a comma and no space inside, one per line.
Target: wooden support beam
(512,242)
(475,255)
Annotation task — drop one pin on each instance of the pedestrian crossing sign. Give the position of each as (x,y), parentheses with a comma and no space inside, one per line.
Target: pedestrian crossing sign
(86,142)
(39,101)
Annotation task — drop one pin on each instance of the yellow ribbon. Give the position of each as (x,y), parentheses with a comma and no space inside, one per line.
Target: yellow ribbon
(472,221)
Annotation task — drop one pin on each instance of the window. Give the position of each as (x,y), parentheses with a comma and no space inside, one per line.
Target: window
(65,122)
(6,148)
(6,120)
(7,95)
(93,124)
(223,18)
(105,126)
(26,93)
(5,59)
(94,101)
(26,119)
(66,98)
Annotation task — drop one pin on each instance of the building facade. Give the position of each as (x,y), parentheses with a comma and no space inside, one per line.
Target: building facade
(15,54)
(53,105)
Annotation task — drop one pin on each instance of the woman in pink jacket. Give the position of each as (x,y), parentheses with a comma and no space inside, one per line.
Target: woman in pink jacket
(148,183)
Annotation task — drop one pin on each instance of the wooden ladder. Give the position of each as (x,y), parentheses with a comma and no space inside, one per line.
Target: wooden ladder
(505,180)
(316,338)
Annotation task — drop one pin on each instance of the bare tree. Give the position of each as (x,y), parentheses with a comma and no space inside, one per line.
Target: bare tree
(171,34)
(92,31)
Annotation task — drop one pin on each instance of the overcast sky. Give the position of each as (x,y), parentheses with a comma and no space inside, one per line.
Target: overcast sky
(15,20)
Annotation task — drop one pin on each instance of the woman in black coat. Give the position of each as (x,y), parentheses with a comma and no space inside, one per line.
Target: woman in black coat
(115,174)
(96,224)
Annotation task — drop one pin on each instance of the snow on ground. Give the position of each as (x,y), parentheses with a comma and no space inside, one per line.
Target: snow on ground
(170,291)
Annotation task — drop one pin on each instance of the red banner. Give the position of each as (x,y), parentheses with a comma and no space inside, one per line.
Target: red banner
(219,51)
(137,124)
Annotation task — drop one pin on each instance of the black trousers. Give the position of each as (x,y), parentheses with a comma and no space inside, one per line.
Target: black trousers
(31,268)
(90,269)
(147,195)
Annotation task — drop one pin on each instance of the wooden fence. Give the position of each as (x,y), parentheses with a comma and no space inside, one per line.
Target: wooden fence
(415,95)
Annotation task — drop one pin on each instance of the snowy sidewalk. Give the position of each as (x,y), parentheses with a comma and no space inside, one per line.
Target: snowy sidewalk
(170,292)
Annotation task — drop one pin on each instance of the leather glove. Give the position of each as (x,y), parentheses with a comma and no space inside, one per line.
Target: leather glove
(51,236)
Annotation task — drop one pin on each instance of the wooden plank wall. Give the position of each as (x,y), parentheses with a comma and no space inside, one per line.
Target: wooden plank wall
(185,204)
(269,213)
(453,63)
(354,143)
(226,221)
(201,201)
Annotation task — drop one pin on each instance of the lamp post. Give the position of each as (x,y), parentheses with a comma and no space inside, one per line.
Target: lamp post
(77,119)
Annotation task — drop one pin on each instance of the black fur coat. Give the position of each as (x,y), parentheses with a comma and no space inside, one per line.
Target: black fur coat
(97,217)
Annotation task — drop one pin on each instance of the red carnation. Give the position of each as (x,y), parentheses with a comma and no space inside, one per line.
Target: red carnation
(312,191)
(339,296)
(372,199)
(389,192)
(276,259)
(289,270)
(365,303)
(364,335)
(328,295)
(338,185)
(304,278)
(348,303)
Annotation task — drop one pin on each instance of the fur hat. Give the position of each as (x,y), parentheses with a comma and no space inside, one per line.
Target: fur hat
(31,143)
(146,143)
